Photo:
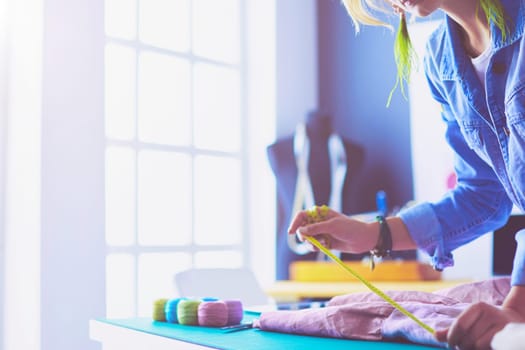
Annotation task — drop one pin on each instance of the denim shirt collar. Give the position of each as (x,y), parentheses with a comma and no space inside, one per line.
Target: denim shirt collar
(454,59)
(515,11)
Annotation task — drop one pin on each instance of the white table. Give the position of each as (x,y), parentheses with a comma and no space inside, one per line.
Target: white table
(115,337)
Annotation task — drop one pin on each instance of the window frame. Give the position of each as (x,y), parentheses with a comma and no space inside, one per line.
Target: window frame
(245,156)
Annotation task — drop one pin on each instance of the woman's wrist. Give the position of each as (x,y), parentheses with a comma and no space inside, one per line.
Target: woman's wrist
(401,239)
(515,300)
(372,236)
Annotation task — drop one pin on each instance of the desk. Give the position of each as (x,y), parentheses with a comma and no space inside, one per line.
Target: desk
(144,334)
(293,291)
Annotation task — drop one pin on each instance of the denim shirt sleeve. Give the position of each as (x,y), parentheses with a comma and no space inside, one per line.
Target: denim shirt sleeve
(423,225)
(477,205)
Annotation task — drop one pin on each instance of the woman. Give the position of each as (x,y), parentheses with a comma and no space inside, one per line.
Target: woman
(475,66)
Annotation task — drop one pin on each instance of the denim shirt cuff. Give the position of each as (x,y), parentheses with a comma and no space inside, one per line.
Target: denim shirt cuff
(424,228)
(518,270)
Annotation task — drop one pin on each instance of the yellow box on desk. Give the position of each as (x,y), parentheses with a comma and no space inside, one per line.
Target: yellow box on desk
(327,271)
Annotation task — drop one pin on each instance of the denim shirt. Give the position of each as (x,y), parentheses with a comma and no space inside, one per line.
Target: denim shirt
(487,133)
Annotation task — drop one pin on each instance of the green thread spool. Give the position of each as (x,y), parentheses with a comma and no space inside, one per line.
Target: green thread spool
(187,312)
(158,310)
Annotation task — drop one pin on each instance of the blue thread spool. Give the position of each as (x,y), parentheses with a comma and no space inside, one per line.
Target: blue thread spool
(187,312)
(171,310)
(213,314)
(209,299)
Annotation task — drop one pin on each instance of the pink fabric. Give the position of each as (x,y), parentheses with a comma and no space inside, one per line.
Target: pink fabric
(491,291)
(367,316)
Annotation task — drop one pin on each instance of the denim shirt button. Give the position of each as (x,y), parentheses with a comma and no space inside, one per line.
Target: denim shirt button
(498,68)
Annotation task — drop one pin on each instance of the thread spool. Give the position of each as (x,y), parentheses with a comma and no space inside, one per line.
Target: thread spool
(158,310)
(171,311)
(235,311)
(187,312)
(209,299)
(213,314)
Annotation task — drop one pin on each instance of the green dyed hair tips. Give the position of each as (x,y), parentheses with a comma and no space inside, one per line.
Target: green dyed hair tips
(405,59)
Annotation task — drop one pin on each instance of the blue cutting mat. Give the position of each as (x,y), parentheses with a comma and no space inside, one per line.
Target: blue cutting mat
(252,338)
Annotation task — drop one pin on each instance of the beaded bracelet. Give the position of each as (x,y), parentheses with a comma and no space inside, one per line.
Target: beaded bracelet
(384,242)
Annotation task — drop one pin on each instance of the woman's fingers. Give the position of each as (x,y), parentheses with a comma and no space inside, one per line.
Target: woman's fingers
(304,217)
(319,228)
(475,327)
(461,331)
(441,335)
(299,220)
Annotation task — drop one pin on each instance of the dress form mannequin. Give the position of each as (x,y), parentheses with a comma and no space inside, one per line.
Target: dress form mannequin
(283,163)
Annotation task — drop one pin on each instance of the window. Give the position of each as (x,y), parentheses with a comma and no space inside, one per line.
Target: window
(176,166)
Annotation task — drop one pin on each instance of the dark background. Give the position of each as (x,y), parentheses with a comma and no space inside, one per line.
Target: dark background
(355,74)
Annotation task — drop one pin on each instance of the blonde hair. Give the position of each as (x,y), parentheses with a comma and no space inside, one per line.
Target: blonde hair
(363,12)
(359,11)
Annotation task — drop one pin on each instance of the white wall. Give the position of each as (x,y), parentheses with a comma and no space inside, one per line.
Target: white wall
(73,141)
(54,227)
(283,73)
(3,134)
(260,38)
(432,162)
(22,194)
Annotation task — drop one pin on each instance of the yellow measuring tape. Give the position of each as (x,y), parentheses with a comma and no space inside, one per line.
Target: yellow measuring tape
(370,286)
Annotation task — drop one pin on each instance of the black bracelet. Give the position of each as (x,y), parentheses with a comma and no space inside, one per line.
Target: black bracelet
(384,242)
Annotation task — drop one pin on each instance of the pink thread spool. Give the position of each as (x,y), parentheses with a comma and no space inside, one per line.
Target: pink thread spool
(213,314)
(235,311)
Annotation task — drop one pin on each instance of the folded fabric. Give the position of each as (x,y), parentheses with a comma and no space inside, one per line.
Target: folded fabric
(367,316)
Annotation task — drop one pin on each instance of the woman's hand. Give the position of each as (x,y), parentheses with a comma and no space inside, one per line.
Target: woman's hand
(336,231)
(476,326)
